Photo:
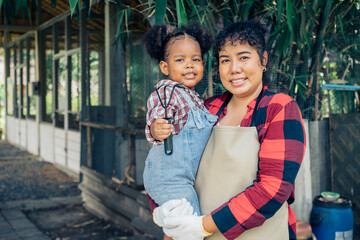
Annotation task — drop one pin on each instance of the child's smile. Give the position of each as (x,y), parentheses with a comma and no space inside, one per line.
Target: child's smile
(183,61)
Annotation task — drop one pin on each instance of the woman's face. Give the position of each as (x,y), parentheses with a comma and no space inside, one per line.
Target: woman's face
(241,69)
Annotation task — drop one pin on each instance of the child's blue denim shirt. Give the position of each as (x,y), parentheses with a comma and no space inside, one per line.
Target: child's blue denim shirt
(168,177)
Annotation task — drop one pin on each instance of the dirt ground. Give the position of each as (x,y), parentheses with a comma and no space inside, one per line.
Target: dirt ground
(24,177)
(74,222)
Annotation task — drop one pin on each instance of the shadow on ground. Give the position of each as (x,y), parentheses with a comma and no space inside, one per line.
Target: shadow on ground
(73,222)
(49,198)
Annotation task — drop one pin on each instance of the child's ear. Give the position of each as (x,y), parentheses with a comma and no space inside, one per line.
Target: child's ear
(164,68)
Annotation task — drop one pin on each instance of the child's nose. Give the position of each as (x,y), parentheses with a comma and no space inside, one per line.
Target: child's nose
(189,64)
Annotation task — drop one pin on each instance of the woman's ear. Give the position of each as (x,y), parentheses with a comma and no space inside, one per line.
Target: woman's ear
(265,59)
(164,68)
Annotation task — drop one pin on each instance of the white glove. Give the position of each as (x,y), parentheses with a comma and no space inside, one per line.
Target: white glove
(185,228)
(172,208)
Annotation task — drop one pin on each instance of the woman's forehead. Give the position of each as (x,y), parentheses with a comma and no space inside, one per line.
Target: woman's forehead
(230,45)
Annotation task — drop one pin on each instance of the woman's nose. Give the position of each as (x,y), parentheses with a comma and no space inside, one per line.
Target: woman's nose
(235,67)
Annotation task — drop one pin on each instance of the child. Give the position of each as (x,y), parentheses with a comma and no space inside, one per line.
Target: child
(180,56)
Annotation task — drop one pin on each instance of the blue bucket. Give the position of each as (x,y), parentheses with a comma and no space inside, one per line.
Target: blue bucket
(332,220)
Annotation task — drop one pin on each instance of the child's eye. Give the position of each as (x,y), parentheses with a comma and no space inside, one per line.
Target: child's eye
(196,59)
(179,60)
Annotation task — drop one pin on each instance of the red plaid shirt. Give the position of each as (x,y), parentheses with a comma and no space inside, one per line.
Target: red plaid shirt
(282,147)
(177,108)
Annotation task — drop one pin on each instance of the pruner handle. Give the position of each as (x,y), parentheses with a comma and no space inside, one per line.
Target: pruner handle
(168,143)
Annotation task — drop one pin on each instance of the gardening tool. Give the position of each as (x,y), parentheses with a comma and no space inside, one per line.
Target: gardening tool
(168,143)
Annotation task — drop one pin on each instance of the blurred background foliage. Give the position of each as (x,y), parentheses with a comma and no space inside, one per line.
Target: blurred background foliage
(311,43)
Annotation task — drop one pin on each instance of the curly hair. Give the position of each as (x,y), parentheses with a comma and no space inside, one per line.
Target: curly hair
(250,32)
(157,39)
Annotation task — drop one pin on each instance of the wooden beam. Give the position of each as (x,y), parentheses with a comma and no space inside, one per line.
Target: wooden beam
(21,38)
(17,28)
(125,131)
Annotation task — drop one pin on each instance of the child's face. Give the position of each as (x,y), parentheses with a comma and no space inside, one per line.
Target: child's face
(183,62)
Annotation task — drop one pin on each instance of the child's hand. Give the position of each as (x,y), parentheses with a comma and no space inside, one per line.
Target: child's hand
(160,129)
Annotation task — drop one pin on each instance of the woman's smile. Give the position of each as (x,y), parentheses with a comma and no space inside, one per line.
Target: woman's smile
(241,70)
(238,81)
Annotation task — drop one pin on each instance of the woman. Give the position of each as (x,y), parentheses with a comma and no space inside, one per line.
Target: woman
(245,181)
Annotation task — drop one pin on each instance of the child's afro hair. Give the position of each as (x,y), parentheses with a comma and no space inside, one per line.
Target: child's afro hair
(156,38)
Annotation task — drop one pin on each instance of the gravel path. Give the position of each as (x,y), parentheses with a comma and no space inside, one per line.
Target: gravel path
(23,177)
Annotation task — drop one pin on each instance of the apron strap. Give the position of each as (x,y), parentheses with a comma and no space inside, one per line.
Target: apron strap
(227,100)
(252,124)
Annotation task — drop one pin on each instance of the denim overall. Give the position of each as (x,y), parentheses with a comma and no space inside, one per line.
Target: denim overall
(168,177)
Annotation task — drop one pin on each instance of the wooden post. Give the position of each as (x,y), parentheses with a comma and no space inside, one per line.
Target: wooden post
(85,130)
(55,75)
(21,102)
(28,46)
(15,107)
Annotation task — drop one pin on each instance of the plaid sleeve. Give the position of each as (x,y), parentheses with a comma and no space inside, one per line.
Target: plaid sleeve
(282,147)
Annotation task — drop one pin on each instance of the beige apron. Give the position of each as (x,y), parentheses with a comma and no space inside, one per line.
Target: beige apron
(227,167)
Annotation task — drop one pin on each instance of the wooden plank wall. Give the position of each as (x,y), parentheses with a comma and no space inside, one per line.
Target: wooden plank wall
(345,161)
(126,207)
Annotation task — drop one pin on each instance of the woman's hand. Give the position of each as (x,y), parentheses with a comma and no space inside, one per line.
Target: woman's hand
(160,129)
(185,227)
(172,208)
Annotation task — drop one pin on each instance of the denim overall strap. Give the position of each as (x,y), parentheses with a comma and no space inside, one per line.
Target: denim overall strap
(186,96)
(198,118)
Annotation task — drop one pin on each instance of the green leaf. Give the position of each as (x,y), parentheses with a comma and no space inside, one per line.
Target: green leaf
(17,6)
(1,2)
(290,13)
(29,16)
(245,10)
(9,8)
(280,8)
(160,10)
(119,27)
(307,40)
(73,4)
(194,8)
(341,26)
(181,13)
(24,8)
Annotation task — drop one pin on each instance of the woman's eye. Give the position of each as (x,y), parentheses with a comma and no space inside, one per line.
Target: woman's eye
(224,61)
(244,57)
